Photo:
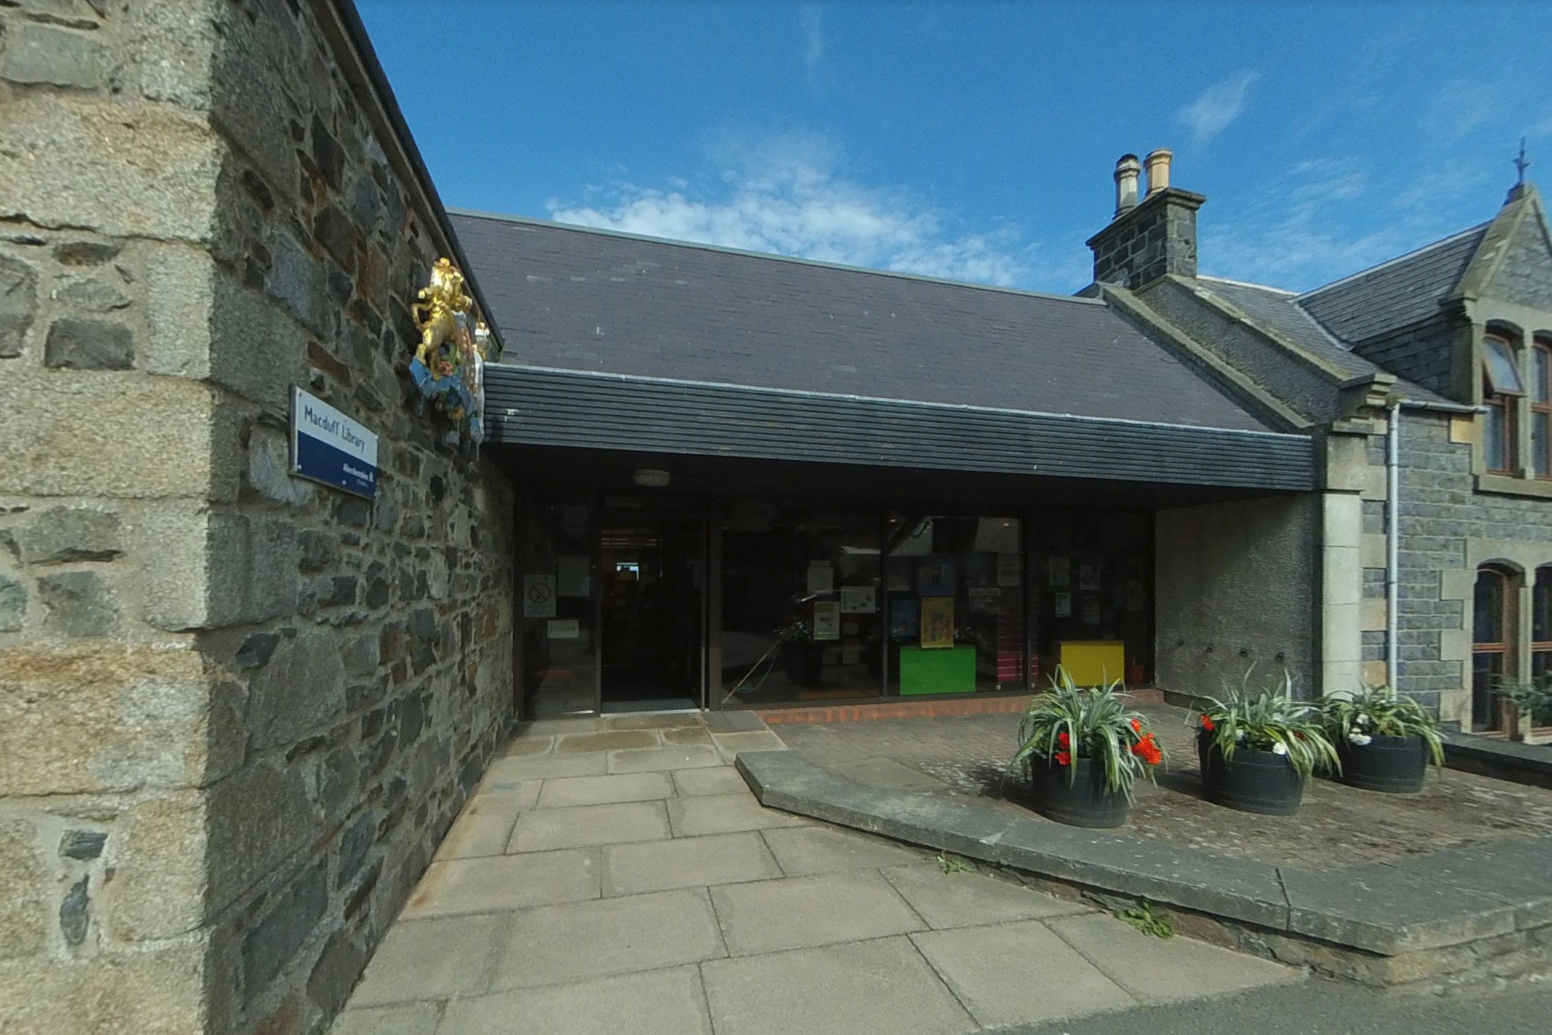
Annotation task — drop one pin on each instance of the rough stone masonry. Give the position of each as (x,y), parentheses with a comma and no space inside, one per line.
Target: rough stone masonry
(237,709)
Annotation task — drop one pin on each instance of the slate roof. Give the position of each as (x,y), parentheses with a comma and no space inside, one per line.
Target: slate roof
(1395,293)
(1279,311)
(578,299)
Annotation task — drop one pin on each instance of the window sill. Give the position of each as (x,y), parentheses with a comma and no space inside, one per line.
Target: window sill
(1504,485)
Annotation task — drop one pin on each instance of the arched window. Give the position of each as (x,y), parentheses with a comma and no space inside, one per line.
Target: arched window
(1541,409)
(1492,647)
(1541,626)
(1501,390)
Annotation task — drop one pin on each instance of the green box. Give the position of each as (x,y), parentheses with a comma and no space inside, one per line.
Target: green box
(941,670)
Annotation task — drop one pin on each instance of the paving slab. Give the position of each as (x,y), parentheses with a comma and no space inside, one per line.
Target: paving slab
(661,759)
(526,745)
(547,727)
(586,940)
(882,772)
(659,1002)
(797,912)
(730,744)
(687,862)
(734,721)
(724,813)
(686,735)
(821,849)
(1021,972)
(429,959)
(486,823)
(654,721)
(547,766)
(962,899)
(505,882)
(1389,910)
(1157,970)
(700,782)
(405,1019)
(860,988)
(603,790)
(608,741)
(577,826)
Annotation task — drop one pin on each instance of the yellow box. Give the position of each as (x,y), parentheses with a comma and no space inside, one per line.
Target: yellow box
(1093,662)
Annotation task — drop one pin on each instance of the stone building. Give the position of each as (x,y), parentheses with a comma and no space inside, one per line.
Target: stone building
(239,708)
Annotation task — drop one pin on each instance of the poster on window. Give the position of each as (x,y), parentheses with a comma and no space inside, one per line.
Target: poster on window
(985,600)
(937,622)
(937,576)
(904,618)
(1088,576)
(827,620)
(821,577)
(1090,615)
(1063,605)
(1008,570)
(897,574)
(1059,572)
(858,600)
(538,596)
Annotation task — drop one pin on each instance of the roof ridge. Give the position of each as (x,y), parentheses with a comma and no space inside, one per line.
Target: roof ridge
(769,256)
(1414,253)
(1246,283)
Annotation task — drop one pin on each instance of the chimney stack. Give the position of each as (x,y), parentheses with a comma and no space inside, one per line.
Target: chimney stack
(1148,238)
(1158,170)
(1126,171)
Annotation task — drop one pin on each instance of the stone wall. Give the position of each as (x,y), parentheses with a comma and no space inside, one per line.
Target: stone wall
(237,710)
(1155,238)
(1235,588)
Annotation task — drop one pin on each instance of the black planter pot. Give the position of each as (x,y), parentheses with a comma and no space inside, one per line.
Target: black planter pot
(1262,782)
(1392,765)
(1082,803)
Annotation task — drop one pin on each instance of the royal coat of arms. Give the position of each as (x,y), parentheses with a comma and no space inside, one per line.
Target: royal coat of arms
(449,361)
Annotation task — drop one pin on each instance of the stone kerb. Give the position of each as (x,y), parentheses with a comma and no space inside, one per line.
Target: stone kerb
(1425,919)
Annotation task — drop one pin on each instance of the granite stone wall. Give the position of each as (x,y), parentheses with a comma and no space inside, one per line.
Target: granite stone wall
(237,709)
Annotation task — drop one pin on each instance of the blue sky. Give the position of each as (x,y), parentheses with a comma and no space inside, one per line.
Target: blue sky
(976,141)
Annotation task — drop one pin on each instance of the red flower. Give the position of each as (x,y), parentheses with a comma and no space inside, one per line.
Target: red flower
(1136,725)
(1062,738)
(1063,758)
(1148,750)
(1207,724)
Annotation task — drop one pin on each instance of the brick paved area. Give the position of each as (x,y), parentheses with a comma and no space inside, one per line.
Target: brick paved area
(618,875)
(1336,827)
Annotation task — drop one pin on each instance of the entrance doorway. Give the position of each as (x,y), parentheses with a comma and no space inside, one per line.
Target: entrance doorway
(651,628)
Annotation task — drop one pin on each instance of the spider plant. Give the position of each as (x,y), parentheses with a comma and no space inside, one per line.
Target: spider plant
(1378,711)
(1066,723)
(1270,720)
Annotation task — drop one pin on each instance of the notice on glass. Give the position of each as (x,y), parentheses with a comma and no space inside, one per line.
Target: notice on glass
(563,629)
(821,577)
(937,622)
(858,600)
(1088,576)
(904,618)
(985,599)
(538,596)
(1063,602)
(827,620)
(1059,571)
(573,574)
(1008,570)
(1091,612)
(937,576)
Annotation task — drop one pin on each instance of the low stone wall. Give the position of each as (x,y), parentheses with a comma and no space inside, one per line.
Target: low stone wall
(237,710)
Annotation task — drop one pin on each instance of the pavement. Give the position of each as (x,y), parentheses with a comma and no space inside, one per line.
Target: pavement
(618,874)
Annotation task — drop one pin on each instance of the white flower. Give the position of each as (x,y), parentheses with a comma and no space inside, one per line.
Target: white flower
(1363,720)
(1279,748)
(1240,735)
(1359,738)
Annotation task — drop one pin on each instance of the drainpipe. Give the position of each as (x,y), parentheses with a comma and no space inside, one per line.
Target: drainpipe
(1392,544)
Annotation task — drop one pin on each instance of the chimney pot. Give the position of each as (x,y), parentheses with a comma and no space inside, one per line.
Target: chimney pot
(1158,170)
(1126,171)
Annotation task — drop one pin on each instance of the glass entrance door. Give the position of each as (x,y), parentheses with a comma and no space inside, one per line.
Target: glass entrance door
(652,565)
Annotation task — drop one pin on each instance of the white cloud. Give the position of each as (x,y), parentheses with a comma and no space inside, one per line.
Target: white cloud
(1459,108)
(1218,106)
(813,37)
(783,195)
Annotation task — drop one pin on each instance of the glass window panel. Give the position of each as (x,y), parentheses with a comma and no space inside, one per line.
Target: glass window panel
(1541,607)
(1496,437)
(1488,608)
(1541,370)
(1487,671)
(1503,374)
(559,618)
(1540,440)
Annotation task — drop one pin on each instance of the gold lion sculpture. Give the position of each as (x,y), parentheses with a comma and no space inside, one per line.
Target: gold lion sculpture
(437,312)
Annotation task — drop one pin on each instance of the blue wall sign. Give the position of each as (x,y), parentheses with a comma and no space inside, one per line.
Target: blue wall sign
(329,447)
